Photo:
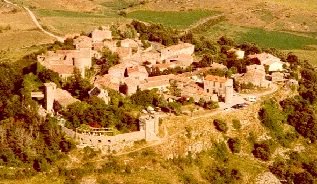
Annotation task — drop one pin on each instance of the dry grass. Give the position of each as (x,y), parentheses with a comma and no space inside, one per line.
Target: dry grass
(15,42)
(309,55)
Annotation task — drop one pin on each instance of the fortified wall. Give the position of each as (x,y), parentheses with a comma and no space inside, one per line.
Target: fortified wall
(100,138)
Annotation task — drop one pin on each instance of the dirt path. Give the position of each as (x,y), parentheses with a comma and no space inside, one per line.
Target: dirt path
(36,22)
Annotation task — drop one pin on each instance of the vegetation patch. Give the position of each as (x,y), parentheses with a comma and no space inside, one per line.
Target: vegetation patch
(172,19)
(279,40)
(63,13)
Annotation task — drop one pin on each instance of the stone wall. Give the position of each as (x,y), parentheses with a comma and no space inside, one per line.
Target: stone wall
(148,131)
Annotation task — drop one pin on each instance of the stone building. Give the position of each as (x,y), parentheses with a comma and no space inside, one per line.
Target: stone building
(107,81)
(175,50)
(138,72)
(255,75)
(161,83)
(64,62)
(273,63)
(52,95)
(221,86)
(99,35)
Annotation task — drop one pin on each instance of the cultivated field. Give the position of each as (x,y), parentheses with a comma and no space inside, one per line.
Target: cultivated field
(287,25)
(173,19)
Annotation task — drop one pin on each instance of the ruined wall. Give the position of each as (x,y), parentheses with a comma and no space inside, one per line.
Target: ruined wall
(149,129)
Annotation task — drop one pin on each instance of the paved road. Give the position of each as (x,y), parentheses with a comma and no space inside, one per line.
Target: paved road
(36,22)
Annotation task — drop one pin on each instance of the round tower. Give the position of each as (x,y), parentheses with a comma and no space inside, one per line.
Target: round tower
(229,91)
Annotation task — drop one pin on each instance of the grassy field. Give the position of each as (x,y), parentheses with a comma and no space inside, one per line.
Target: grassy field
(309,55)
(22,34)
(262,37)
(172,19)
(279,40)
(63,13)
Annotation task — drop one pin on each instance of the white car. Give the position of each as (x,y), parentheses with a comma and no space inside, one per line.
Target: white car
(251,98)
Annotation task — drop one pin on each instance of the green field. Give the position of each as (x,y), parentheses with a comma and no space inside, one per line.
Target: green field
(62,13)
(279,40)
(263,38)
(171,19)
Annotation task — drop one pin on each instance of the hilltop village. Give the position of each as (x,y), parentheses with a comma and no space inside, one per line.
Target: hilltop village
(137,102)
(174,72)
(137,63)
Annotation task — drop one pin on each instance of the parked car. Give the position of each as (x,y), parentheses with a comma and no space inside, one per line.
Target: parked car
(238,106)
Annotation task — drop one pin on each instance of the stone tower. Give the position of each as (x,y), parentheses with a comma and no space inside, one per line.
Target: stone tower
(150,124)
(49,96)
(229,91)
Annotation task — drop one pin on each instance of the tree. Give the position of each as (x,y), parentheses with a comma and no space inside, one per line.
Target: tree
(107,60)
(225,41)
(174,90)
(221,125)
(78,86)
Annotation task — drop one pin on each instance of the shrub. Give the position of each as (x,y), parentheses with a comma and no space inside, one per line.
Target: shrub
(220,152)
(263,150)
(188,178)
(221,174)
(236,124)
(211,105)
(122,13)
(221,125)
(234,145)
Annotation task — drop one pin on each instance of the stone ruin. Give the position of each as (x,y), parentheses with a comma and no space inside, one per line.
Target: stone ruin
(104,140)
